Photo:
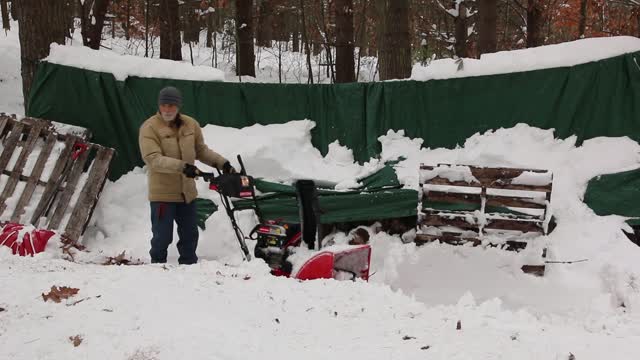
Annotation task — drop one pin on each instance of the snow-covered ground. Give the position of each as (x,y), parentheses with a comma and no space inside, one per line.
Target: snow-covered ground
(223,308)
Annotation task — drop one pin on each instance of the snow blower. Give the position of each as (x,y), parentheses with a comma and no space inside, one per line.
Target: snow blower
(280,244)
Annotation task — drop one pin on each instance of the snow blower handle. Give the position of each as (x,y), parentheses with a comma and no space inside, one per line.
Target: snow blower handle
(243,171)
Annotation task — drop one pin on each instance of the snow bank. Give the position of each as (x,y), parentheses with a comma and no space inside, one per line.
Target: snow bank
(543,57)
(123,66)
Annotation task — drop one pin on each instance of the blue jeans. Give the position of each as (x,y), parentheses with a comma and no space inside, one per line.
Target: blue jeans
(163,214)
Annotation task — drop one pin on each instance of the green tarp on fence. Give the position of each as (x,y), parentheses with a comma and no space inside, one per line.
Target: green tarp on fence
(379,197)
(594,99)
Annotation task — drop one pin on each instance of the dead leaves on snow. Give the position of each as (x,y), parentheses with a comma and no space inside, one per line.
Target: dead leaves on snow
(121,260)
(58,294)
(76,340)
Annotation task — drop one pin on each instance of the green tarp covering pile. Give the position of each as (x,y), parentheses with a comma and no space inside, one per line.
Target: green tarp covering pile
(599,98)
(594,99)
(617,194)
(379,197)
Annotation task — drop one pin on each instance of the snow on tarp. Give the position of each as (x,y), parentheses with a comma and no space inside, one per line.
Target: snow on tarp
(533,178)
(543,57)
(123,66)
(452,173)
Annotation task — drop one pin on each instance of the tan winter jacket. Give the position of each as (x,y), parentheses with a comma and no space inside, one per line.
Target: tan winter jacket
(165,150)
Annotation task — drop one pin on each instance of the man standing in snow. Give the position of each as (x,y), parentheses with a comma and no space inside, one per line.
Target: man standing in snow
(170,143)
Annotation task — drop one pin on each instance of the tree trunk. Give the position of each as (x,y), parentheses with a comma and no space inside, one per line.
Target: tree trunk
(264,35)
(93,29)
(460,25)
(210,30)
(305,40)
(345,64)
(15,10)
(170,44)
(5,15)
(244,28)
(296,41)
(127,23)
(582,24)
(395,50)
(535,22)
(487,26)
(41,22)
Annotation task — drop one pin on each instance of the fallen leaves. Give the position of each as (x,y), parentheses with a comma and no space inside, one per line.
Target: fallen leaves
(76,340)
(59,293)
(68,245)
(121,260)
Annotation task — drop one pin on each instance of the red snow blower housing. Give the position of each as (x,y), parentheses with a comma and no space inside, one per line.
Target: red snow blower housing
(277,242)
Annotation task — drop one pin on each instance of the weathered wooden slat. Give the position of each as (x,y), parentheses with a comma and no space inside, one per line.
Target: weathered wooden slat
(22,177)
(435,220)
(447,197)
(496,224)
(10,145)
(518,202)
(451,239)
(514,225)
(50,127)
(34,178)
(492,185)
(4,120)
(492,200)
(61,168)
(34,134)
(90,192)
(70,187)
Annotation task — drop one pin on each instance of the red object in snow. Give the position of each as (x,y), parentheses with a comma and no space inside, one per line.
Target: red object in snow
(320,266)
(340,263)
(32,242)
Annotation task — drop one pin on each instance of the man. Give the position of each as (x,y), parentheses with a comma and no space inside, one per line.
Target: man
(170,142)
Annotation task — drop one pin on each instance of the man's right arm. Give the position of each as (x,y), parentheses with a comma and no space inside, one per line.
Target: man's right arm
(152,153)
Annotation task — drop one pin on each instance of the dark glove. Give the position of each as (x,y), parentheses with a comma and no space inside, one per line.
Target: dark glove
(190,171)
(228,169)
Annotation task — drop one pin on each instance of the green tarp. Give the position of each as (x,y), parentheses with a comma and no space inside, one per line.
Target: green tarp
(379,197)
(617,194)
(594,99)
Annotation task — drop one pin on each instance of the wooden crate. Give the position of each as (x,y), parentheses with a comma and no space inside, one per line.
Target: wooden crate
(49,177)
(469,204)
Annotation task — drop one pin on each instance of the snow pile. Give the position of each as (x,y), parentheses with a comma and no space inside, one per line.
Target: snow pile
(544,57)
(124,66)
(10,79)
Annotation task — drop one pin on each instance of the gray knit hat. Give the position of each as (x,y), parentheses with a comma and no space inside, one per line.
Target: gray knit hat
(170,95)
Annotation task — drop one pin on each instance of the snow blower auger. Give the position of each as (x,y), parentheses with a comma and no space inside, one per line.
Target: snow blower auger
(279,243)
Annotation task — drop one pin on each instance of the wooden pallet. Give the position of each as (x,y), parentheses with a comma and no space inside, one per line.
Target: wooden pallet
(469,204)
(58,185)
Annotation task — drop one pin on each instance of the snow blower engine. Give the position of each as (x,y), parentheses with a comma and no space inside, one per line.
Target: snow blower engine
(276,240)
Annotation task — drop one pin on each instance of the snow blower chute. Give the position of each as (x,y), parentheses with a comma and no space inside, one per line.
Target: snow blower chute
(280,244)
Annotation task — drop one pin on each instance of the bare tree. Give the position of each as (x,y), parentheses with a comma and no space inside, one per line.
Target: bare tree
(92,21)
(305,40)
(345,63)
(41,23)
(5,15)
(170,44)
(487,26)
(535,22)
(394,60)
(264,35)
(244,29)
(582,24)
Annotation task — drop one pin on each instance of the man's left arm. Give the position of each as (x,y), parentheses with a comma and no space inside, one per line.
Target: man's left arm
(205,154)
